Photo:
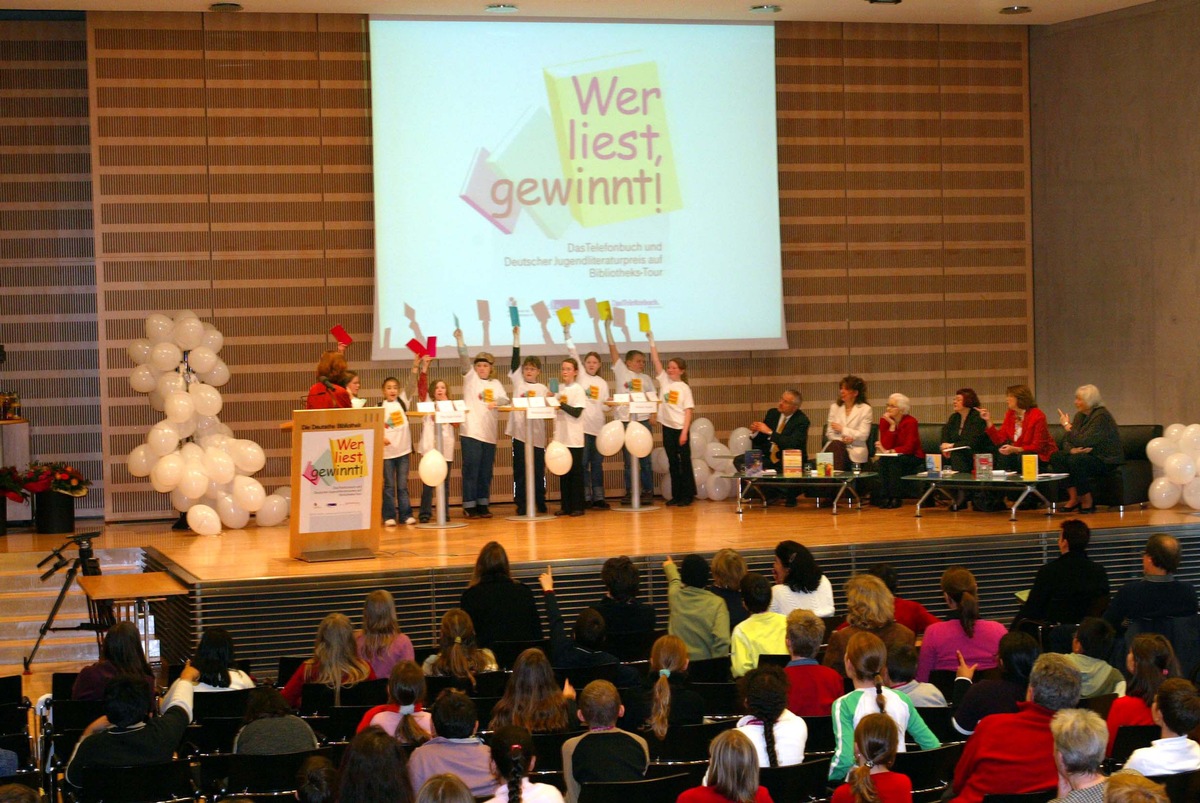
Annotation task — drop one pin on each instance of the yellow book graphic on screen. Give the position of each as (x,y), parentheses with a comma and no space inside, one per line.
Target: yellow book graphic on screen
(610,121)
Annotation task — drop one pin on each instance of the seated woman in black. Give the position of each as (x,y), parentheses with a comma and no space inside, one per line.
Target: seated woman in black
(1090,449)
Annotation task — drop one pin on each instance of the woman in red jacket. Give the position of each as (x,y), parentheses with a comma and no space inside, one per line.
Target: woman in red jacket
(329,391)
(899,449)
(1024,430)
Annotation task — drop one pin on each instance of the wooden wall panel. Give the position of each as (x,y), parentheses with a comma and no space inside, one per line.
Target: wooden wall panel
(47,308)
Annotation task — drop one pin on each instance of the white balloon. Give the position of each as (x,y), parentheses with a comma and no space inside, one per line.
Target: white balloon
(611,438)
(701,472)
(218,376)
(699,442)
(213,339)
(141,459)
(432,469)
(274,510)
(170,382)
(704,428)
(162,440)
(191,453)
(218,465)
(143,379)
(1180,468)
(1191,494)
(206,425)
(179,407)
(207,399)
(204,520)
(181,502)
(1191,429)
(249,457)
(185,428)
(165,356)
(1159,449)
(638,439)
(658,460)
(167,471)
(156,400)
(180,314)
(193,482)
(1174,432)
(224,429)
(286,492)
(558,458)
(739,440)
(718,488)
(716,451)
(1189,441)
(139,351)
(159,328)
(188,333)
(1164,494)
(248,493)
(202,359)
(233,515)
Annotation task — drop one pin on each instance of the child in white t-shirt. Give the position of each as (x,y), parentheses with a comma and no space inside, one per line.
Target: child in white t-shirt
(675,411)
(524,375)
(631,379)
(397,447)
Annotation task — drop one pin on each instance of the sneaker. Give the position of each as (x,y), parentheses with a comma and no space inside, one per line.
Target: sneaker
(410,520)
(601,505)
(424,518)
(390,523)
(483,512)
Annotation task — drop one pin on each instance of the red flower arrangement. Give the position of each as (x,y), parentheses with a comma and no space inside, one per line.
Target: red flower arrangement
(12,484)
(58,477)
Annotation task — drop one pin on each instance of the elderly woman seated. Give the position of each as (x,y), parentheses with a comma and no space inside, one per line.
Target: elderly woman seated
(1079,740)
(1091,448)
(899,449)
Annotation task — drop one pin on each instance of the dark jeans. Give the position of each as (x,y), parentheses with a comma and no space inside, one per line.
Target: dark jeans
(593,470)
(478,458)
(396,504)
(679,458)
(539,476)
(570,484)
(427,496)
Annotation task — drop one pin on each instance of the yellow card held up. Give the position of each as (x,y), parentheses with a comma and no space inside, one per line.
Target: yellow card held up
(565,316)
(605,310)
(643,322)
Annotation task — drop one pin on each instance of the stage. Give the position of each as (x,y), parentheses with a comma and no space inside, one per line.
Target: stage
(245,581)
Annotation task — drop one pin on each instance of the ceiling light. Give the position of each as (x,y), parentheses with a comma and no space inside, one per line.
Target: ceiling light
(225,7)
(1015,10)
(501,8)
(766,9)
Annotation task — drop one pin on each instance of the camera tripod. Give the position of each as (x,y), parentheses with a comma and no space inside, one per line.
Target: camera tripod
(100,614)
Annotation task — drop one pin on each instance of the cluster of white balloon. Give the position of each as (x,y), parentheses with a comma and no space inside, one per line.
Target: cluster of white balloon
(1175,457)
(190,454)
(710,459)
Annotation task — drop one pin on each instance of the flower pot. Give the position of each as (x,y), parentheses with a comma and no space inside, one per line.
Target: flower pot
(53,512)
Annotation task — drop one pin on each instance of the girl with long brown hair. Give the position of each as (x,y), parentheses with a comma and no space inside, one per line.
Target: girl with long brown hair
(403,716)
(977,639)
(458,653)
(334,662)
(876,739)
(665,698)
(1150,661)
(533,698)
(381,642)
(732,773)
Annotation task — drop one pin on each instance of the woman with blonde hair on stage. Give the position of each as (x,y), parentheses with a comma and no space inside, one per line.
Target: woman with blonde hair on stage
(380,642)
(334,663)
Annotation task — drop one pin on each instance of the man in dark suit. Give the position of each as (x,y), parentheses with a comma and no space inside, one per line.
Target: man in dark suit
(784,427)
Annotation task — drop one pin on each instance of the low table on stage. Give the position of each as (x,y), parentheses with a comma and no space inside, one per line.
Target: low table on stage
(844,481)
(965,481)
(132,593)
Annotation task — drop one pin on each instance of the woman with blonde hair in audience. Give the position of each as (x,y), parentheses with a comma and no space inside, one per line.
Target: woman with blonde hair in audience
(876,739)
(977,640)
(458,654)
(870,608)
(404,715)
(1150,661)
(380,642)
(866,665)
(1133,787)
(665,698)
(533,698)
(334,663)
(732,773)
(728,569)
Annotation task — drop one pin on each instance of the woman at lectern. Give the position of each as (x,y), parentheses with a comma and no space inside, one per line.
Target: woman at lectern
(329,391)
(849,424)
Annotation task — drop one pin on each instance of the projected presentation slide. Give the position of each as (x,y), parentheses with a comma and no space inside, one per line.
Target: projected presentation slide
(608,170)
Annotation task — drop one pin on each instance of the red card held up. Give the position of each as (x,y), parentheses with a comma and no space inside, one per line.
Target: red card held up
(341,335)
(431,347)
(416,348)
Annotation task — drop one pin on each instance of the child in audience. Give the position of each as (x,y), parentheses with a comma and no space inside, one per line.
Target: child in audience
(813,687)
(334,662)
(665,699)
(455,749)
(1150,661)
(594,412)
(524,376)
(732,773)
(728,569)
(1177,711)
(439,392)
(977,639)
(533,699)
(316,780)
(375,770)
(605,752)
(444,788)
(458,654)
(397,451)
(675,411)
(514,758)
(1091,645)
(483,394)
(902,672)
(216,663)
(585,646)
(402,716)
(271,727)
(777,734)
(876,740)
(866,665)
(762,633)
(698,617)
(380,642)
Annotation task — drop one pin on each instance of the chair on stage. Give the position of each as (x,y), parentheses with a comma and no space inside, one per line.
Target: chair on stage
(653,790)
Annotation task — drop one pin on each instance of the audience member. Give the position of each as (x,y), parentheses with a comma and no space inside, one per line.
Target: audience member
(902,676)
(316,780)
(127,735)
(1133,787)
(799,581)
(459,655)
(977,639)
(501,607)
(374,770)
(334,663)
(1089,649)
(402,716)
(732,773)
(1079,738)
(604,752)
(813,687)
(1150,661)
(698,617)
(728,569)
(586,647)
(444,788)
(514,758)
(866,665)
(876,740)
(1002,695)
(18,793)
(778,735)
(120,654)
(870,608)
(1014,753)
(665,698)
(909,613)
(271,727)
(623,612)
(1176,710)
(216,664)
(1069,587)
(533,698)
(455,749)
(1158,593)
(762,633)
(380,642)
